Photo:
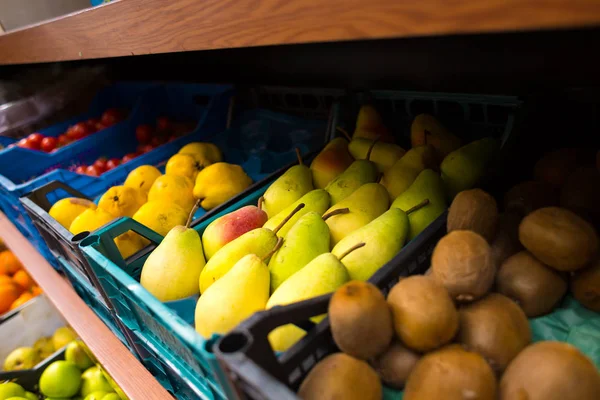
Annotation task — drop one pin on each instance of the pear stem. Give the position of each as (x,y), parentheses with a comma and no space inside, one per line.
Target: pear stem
(368,157)
(277,246)
(335,212)
(418,206)
(351,249)
(286,219)
(261,202)
(299,156)
(344,133)
(194,209)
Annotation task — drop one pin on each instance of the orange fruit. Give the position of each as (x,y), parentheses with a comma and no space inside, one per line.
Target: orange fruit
(23,279)
(5,279)
(10,262)
(8,294)
(22,299)
(36,290)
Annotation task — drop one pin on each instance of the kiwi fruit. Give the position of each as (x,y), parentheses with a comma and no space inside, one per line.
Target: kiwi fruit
(581,194)
(451,373)
(360,319)
(559,238)
(340,376)
(550,371)
(395,364)
(585,286)
(535,287)
(529,196)
(424,315)
(506,243)
(462,262)
(496,328)
(554,167)
(474,210)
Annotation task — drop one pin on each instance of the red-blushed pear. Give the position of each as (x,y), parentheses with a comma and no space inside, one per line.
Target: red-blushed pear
(369,125)
(330,162)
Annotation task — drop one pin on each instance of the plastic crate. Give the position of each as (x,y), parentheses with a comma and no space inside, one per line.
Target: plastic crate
(206,104)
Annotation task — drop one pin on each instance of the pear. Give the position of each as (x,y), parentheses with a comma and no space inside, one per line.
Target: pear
(172,270)
(316,200)
(404,172)
(428,185)
(289,187)
(369,125)
(463,168)
(356,175)
(426,129)
(308,238)
(324,274)
(242,291)
(330,162)
(384,237)
(367,203)
(384,155)
(260,242)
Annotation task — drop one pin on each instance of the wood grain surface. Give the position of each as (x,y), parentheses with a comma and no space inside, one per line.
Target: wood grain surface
(128,373)
(133,27)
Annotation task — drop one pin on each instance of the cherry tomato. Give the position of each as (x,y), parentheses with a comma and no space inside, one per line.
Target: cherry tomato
(81,169)
(111,117)
(113,163)
(35,140)
(100,164)
(91,170)
(49,144)
(162,123)
(91,124)
(158,140)
(100,126)
(78,131)
(128,157)
(63,140)
(143,133)
(172,137)
(25,144)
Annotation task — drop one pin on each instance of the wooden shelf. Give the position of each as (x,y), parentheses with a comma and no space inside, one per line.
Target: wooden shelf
(134,27)
(128,373)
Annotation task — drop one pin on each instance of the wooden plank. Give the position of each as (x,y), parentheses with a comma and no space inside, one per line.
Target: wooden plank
(128,373)
(133,27)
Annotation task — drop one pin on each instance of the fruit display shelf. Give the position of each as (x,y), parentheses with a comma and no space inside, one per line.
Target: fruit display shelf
(129,374)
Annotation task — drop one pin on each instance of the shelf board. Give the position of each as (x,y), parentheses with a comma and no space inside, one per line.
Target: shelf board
(128,373)
(134,27)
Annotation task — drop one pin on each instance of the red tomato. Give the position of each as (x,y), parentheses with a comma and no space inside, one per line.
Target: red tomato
(25,144)
(92,171)
(111,117)
(100,126)
(81,169)
(129,156)
(113,163)
(172,137)
(143,133)
(49,144)
(100,164)
(63,140)
(78,131)
(158,140)
(35,140)
(162,123)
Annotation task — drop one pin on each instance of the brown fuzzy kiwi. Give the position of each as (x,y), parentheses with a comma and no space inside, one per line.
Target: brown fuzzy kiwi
(340,376)
(462,261)
(550,371)
(585,286)
(506,243)
(535,287)
(581,194)
(451,373)
(496,328)
(529,196)
(395,364)
(559,238)
(360,319)
(554,167)
(474,210)
(424,315)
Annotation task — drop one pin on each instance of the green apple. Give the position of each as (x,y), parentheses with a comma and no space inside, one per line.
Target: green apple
(76,353)
(60,379)
(16,398)
(21,358)
(10,389)
(31,396)
(63,336)
(90,372)
(111,396)
(44,347)
(94,381)
(98,395)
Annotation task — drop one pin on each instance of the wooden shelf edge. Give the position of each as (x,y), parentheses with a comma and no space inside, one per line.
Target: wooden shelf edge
(134,27)
(128,373)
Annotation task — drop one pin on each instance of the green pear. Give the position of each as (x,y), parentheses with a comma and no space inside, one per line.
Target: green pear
(316,200)
(364,205)
(384,155)
(61,379)
(307,238)
(172,270)
(259,242)
(428,185)
(289,187)
(356,175)
(324,274)
(11,389)
(404,172)
(463,168)
(383,238)
(242,291)
(330,162)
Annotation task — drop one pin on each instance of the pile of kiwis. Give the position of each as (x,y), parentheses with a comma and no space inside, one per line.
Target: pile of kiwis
(461,331)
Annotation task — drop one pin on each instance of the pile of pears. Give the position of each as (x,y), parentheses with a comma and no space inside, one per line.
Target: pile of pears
(158,201)
(316,228)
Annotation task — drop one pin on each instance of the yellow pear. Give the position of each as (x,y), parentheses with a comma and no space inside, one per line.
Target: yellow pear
(90,220)
(66,210)
(161,217)
(142,177)
(384,155)
(330,162)
(173,189)
(207,151)
(369,125)
(403,173)
(219,182)
(122,201)
(426,129)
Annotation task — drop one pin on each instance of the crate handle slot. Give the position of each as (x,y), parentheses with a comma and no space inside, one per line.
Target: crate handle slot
(40,195)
